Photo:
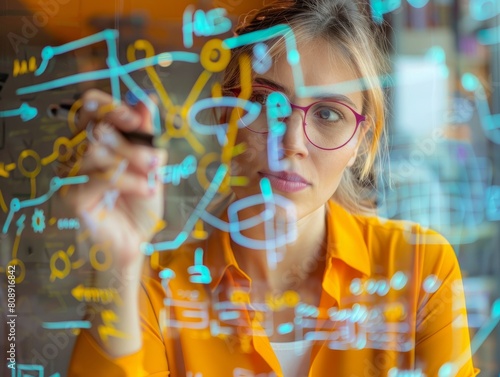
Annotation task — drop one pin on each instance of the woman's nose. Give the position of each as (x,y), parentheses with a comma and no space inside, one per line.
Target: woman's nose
(294,140)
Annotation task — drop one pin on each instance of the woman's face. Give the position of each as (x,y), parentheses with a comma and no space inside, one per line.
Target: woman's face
(309,175)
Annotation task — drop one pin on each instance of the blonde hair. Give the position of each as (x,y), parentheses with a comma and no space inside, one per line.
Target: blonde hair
(349,30)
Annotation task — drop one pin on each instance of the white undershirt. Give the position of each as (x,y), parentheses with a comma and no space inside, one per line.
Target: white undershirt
(294,357)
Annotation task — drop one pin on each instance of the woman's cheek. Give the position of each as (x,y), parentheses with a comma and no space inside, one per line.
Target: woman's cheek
(255,145)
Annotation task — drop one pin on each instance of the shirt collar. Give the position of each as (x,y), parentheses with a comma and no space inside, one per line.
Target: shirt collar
(345,239)
(345,242)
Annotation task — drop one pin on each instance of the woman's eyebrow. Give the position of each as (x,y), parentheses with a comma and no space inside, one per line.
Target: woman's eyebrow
(271,84)
(336,97)
(321,96)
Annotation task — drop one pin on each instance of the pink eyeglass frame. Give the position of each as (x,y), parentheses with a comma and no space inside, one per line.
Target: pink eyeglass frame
(359,117)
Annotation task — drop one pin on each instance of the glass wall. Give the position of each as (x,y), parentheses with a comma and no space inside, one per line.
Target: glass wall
(442,169)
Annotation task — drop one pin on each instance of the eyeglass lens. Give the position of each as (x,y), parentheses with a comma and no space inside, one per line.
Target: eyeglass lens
(327,124)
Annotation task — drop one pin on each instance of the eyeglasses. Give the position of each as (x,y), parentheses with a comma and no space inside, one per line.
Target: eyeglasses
(327,124)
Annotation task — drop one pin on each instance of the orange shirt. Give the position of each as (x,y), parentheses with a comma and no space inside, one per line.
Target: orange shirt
(392,302)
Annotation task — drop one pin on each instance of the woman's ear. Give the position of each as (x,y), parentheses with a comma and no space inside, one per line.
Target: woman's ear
(361,134)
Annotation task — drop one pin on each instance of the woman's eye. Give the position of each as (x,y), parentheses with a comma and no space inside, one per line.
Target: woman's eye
(328,114)
(259,98)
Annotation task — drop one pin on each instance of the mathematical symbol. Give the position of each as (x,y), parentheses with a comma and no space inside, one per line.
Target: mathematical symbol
(199,272)
(204,24)
(261,61)
(38,221)
(22,66)
(278,107)
(33,369)
(107,329)
(20,224)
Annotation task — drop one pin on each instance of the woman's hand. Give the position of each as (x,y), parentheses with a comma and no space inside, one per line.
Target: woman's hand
(122,202)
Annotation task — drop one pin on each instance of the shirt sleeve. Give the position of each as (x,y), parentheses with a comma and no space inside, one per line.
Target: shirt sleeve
(89,359)
(442,338)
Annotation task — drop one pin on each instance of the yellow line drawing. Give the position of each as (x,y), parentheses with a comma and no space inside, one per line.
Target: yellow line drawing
(107,259)
(91,294)
(22,67)
(246,91)
(199,232)
(3,172)
(20,163)
(155,260)
(72,115)
(202,168)
(2,203)
(107,328)
(64,256)
(15,247)
(172,111)
(18,263)
(33,187)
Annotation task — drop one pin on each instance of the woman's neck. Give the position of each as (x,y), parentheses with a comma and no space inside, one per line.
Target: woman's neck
(295,263)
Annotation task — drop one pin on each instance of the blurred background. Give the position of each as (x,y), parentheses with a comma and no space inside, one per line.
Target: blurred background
(444,131)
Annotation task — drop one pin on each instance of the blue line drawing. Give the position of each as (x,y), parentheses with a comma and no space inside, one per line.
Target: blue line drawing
(381,7)
(25,112)
(285,328)
(278,107)
(493,203)
(275,238)
(174,173)
(487,329)
(21,368)
(166,275)
(489,36)
(148,248)
(115,71)
(55,184)
(67,325)
(199,273)
(273,32)
(20,224)
(450,369)
(439,193)
(490,122)
(192,314)
(38,221)
(261,60)
(201,23)
(252,110)
(482,10)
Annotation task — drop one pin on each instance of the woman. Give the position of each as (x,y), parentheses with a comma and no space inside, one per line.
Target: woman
(346,294)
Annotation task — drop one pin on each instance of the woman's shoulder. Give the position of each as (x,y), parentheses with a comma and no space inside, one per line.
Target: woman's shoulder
(399,243)
(410,231)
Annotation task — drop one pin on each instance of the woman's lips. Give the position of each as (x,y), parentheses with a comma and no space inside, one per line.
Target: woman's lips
(286,181)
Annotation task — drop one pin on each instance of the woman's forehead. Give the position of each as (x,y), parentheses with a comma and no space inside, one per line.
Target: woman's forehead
(324,68)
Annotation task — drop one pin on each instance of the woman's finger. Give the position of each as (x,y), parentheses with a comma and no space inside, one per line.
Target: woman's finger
(104,188)
(142,158)
(99,158)
(98,105)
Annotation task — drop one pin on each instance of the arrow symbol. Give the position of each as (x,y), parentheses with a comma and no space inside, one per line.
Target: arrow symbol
(77,292)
